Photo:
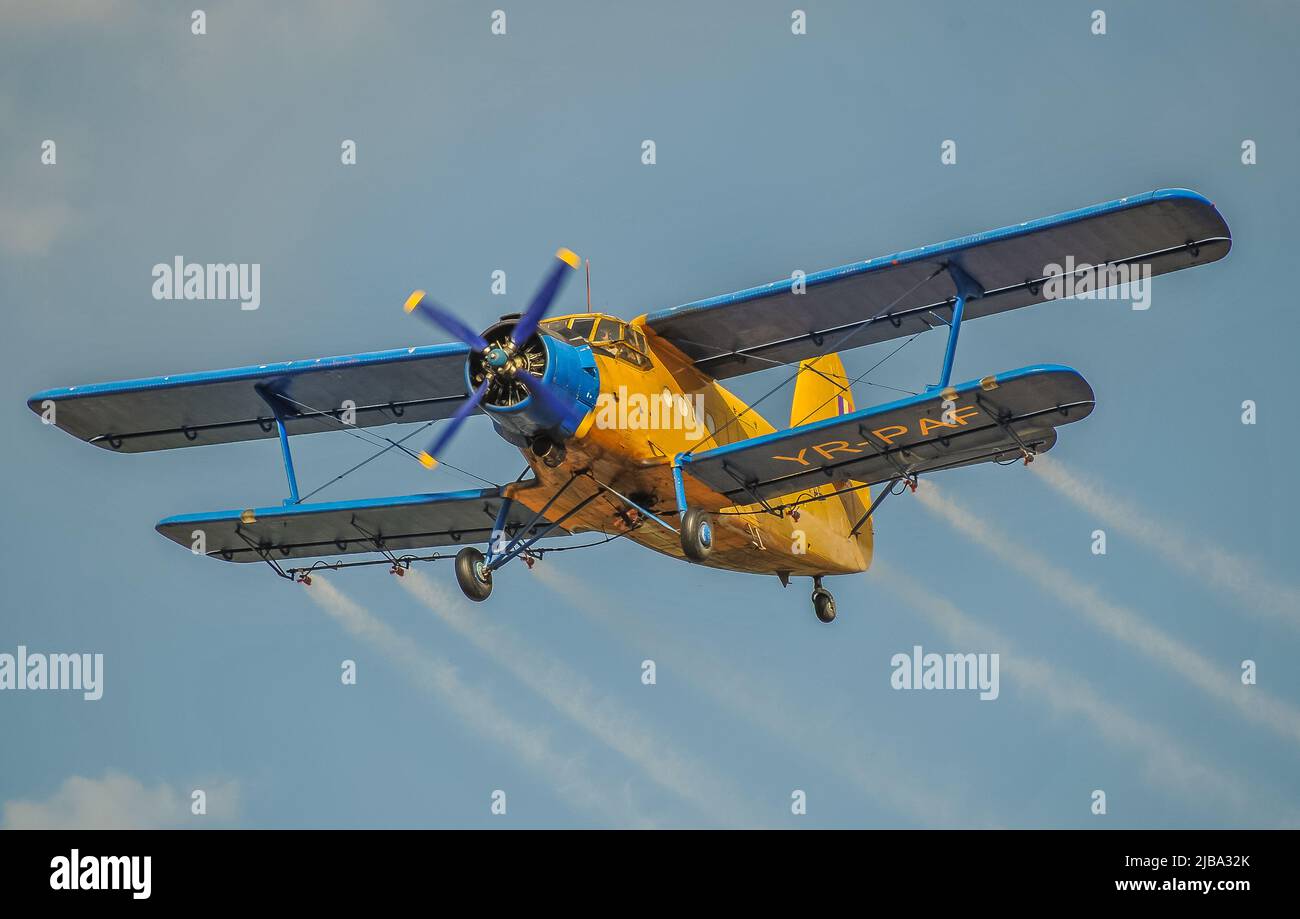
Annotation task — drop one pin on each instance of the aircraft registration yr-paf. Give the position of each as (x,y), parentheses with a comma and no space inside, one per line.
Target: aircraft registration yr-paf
(626,427)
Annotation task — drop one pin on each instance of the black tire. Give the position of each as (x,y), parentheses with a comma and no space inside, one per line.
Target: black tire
(823,605)
(473,575)
(697,535)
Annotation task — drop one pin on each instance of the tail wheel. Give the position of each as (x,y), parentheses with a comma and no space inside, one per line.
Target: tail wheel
(697,535)
(473,574)
(823,605)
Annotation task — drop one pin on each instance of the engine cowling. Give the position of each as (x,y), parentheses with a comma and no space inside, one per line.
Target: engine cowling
(569,378)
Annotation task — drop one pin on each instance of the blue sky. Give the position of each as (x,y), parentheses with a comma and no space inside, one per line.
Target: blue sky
(775,152)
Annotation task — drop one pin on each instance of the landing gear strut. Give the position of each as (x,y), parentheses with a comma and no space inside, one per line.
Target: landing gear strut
(473,574)
(823,602)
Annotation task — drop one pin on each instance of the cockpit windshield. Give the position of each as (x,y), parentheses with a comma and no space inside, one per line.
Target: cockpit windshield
(605,334)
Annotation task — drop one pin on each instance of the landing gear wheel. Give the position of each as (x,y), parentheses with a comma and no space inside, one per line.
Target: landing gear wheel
(473,574)
(697,535)
(823,604)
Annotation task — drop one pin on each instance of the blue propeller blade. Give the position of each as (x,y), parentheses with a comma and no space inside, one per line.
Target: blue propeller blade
(545,393)
(466,409)
(445,320)
(544,297)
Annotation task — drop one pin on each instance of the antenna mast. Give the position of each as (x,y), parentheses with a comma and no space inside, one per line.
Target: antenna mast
(589,285)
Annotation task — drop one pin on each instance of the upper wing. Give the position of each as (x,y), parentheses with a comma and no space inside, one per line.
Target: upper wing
(994,419)
(347,527)
(223,406)
(901,294)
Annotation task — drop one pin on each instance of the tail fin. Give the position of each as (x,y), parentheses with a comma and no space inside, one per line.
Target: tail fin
(821,390)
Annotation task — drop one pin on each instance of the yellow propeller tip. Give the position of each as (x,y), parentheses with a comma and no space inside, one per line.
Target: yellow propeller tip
(248,516)
(569,257)
(427,461)
(413,300)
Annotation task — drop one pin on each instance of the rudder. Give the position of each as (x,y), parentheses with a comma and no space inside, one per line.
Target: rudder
(823,390)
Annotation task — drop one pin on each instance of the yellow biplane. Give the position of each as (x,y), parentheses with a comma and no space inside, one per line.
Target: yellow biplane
(626,427)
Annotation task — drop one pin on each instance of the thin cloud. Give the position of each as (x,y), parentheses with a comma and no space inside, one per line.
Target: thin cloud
(1166,763)
(598,713)
(1121,623)
(33,230)
(1213,565)
(118,801)
(436,676)
(869,766)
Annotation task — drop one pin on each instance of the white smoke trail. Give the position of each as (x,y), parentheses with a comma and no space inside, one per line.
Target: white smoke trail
(1166,762)
(1121,623)
(871,767)
(477,710)
(574,695)
(1213,565)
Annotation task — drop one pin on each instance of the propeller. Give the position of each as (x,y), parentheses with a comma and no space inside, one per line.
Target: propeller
(545,393)
(466,409)
(445,320)
(544,297)
(507,368)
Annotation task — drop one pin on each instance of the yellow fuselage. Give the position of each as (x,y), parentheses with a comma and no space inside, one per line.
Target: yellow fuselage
(631,450)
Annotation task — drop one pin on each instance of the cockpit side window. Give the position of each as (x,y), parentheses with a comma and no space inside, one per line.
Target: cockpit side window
(578,329)
(614,338)
(608,330)
(581,328)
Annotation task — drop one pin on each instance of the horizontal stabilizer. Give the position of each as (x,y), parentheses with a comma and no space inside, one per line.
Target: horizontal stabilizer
(394,524)
(995,419)
(223,406)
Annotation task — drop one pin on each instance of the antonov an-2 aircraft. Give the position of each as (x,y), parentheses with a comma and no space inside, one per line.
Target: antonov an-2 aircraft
(626,426)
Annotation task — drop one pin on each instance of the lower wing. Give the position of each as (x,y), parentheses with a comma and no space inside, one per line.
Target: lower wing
(994,419)
(393,524)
